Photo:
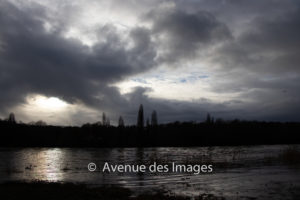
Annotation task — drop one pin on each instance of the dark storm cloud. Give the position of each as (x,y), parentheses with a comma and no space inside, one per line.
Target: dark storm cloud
(266,55)
(231,11)
(268,45)
(262,63)
(258,59)
(182,34)
(33,60)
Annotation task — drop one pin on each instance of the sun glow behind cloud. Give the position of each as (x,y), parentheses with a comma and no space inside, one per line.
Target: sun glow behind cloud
(48,103)
(49,109)
(54,111)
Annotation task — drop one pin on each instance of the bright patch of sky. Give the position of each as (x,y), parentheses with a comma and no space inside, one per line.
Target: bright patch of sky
(187,84)
(55,110)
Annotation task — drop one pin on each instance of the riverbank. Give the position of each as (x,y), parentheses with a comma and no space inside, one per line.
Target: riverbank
(177,134)
(70,191)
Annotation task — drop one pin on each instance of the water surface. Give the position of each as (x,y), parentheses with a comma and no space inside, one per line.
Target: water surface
(244,172)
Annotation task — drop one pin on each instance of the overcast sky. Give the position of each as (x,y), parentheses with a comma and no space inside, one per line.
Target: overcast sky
(67,61)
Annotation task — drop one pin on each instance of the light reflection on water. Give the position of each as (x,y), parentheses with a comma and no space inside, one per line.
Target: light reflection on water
(241,170)
(36,164)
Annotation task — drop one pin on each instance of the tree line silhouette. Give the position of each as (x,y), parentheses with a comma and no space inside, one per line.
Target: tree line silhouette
(103,134)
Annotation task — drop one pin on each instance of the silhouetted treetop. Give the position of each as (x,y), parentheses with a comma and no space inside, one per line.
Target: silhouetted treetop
(40,123)
(208,118)
(121,122)
(107,121)
(140,119)
(103,119)
(154,118)
(11,118)
(147,123)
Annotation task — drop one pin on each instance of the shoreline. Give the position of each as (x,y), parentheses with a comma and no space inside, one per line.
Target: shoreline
(37,190)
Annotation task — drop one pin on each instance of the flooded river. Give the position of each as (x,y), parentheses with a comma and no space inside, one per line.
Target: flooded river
(245,172)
